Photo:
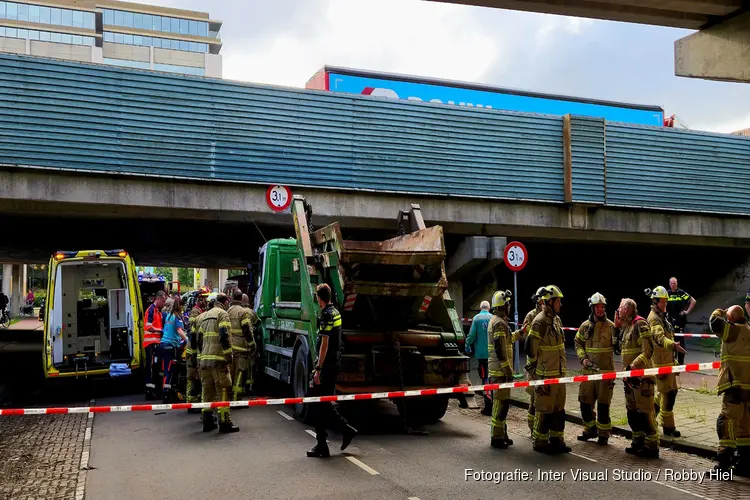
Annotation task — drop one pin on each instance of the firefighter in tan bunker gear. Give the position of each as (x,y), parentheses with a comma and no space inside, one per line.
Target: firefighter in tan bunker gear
(527,321)
(733,423)
(243,343)
(215,360)
(193,388)
(666,385)
(636,343)
(500,349)
(594,349)
(546,357)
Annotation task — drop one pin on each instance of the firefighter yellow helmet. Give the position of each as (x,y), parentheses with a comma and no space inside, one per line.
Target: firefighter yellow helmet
(597,298)
(657,293)
(500,299)
(551,292)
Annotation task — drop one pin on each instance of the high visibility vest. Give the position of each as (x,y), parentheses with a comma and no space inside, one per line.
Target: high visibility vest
(152,321)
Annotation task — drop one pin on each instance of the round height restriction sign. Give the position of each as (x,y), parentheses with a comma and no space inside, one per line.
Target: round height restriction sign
(516,256)
(278,198)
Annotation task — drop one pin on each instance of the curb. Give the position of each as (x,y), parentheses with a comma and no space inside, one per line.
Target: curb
(677,444)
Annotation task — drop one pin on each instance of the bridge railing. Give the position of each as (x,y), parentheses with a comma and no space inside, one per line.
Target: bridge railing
(98,118)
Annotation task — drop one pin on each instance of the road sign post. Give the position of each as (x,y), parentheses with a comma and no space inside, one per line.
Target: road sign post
(516,258)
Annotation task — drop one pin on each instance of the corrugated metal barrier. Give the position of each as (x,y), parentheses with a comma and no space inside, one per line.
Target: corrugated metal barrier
(676,169)
(102,118)
(587,145)
(89,117)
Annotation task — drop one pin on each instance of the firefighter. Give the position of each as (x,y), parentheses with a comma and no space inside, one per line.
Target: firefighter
(500,350)
(635,342)
(594,349)
(215,361)
(733,423)
(193,389)
(546,355)
(666,385)
(255,324)
(243,343)
(538,306)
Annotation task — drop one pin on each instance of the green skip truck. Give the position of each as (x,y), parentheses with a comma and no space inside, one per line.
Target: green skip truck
(400,328)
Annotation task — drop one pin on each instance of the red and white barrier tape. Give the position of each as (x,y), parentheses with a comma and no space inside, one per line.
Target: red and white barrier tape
(688,335)
(369,396)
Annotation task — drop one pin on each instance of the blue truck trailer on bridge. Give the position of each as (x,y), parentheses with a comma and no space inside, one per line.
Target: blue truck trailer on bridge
(415,88)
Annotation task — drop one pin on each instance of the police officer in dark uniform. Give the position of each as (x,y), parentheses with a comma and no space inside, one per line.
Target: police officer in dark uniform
(328,347)
(679,305)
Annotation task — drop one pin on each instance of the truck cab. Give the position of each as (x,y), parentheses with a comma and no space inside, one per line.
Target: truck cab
(400,327)
(93,314)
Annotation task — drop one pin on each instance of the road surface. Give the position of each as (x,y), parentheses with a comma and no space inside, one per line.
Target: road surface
(165,455)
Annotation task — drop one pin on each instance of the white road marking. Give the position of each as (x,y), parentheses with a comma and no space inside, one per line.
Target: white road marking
(283,414)
(585,458)
(682,491)
(84,464)
(363,466)
(413,498)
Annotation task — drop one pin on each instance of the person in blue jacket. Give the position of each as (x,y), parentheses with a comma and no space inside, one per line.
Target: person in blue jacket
(477,342)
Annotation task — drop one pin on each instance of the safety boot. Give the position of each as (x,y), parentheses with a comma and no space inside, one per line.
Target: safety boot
(724,461)
(228,427)
(348,434)
(743,461)
(671,432)
(209,422)
(546,448)
(559,446)
(602,441)
(320,450)
(587,434)
(499,443)
(648,453)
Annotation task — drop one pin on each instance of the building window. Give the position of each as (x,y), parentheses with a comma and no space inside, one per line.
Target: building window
(127,63)
(173,68)
(44,15)
(56,16)
(119,18)
(138,21)
(45,36)
(148,41)
(12,11)
(33,13)
(67,17)
(193,28)
(23,12)
(77,19)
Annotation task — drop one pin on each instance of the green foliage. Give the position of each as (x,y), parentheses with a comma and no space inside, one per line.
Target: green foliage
(236,272)
(186,277)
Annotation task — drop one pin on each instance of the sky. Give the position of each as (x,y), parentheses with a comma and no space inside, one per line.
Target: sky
(284,42)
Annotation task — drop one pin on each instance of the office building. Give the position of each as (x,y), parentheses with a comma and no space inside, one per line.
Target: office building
(113,32)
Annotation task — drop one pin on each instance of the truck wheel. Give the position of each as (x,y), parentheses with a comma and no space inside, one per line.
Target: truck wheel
(300,382)
(423,410)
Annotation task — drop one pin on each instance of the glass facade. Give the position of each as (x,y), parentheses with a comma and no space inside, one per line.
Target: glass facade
(187,70)
(172,68)
(46,36)
(152,41)
(153,22)
(127,63)
(47,15)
